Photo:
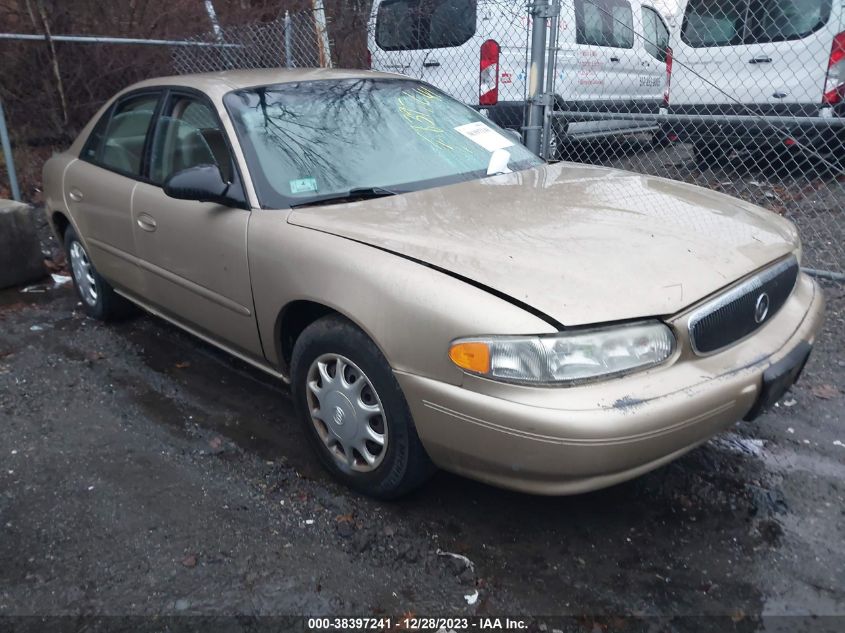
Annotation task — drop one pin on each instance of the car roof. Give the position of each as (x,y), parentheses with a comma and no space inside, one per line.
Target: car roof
(216,84)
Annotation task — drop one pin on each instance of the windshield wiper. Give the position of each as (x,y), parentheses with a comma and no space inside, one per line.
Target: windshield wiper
(360,193)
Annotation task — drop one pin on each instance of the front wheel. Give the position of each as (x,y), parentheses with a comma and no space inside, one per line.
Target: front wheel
(354,412)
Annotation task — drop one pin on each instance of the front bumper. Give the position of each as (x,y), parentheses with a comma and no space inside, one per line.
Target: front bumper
(572,440)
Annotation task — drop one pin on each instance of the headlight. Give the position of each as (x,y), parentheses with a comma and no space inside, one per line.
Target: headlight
(566,357)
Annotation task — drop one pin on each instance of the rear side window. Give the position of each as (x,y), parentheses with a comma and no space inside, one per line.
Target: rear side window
(733,22)
(655,34)
(714,22)
(422,24)
(781,20)
(119,143)
(604,23)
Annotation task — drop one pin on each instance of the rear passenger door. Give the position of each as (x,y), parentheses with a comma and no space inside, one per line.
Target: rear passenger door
(194,254)
(98,187)
(607,61)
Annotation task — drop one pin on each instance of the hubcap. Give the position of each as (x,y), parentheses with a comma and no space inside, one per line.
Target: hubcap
(83,274)
(347,413)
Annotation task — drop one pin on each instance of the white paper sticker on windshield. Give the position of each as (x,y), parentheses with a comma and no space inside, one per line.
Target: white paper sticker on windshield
(482,134)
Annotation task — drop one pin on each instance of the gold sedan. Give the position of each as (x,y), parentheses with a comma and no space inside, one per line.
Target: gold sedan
(432,291)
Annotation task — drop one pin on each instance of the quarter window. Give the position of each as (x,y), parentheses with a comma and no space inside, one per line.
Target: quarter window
(422,24)
(117,141)
(187,136)
(604,23)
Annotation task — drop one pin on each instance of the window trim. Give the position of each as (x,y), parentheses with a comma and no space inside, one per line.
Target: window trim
(97,161)
(425,48)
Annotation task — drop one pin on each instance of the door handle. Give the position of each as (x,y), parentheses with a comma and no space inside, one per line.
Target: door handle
(614,59)
(760,60)
(75,195)
(147,222)
(431,64)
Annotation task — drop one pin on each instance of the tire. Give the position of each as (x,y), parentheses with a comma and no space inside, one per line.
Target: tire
(99,300)
(709,154)
(400,463)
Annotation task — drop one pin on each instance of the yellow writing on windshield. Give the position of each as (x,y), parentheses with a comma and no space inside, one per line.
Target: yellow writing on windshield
(417,108)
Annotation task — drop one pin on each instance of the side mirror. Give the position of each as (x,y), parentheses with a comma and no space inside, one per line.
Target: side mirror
(203,183)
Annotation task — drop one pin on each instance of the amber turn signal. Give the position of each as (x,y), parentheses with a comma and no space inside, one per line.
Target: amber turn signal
(474,357)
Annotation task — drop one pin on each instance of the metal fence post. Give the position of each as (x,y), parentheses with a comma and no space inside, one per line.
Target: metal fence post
(7,156)
(536,112)
(288,45)
(551,78)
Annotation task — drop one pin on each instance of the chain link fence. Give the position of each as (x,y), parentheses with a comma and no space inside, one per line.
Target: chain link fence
(293,41)
(50,87)
(746,97)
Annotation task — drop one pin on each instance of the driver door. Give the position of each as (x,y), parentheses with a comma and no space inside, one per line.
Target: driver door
(194,254)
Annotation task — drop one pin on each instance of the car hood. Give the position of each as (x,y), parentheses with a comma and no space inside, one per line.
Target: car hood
(580,244)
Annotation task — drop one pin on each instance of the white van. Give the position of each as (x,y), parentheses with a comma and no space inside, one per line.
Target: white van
(759,57)
(477,51)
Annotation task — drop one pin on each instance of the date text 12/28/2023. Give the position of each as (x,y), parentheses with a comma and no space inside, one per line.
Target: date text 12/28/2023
(416,623)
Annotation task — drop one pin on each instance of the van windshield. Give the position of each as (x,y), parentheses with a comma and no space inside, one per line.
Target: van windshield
(733,22)
(312,140)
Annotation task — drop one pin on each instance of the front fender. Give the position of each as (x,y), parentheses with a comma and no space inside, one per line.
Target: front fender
(412,312)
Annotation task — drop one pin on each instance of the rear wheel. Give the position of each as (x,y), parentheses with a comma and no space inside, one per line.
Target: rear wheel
(354,412)
(99,300)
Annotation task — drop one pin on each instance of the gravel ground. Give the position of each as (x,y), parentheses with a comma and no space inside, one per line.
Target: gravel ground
(142,472)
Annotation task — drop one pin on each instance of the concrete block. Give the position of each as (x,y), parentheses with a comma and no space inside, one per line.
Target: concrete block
(21,260)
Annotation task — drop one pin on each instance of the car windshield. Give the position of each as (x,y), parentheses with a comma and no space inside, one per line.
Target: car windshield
(314,140)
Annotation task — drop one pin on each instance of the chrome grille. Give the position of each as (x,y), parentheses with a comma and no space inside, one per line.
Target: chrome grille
(743,309)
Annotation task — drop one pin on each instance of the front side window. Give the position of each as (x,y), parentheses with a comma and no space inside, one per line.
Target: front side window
(119,144)
(315,139)
(188,135)
(655,34)
(604,23)
(423,24)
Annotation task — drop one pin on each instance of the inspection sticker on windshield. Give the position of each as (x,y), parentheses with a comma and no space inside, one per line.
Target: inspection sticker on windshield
(484,135)
(303,185)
